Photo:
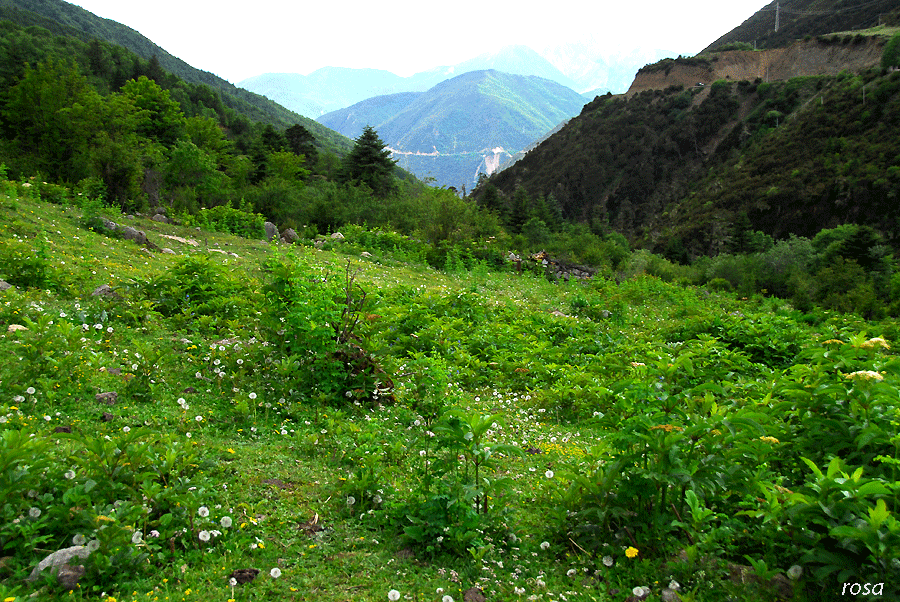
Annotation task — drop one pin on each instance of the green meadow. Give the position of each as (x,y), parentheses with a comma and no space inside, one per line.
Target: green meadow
(337,420)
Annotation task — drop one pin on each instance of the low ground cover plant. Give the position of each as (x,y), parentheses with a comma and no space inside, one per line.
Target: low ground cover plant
(318,424)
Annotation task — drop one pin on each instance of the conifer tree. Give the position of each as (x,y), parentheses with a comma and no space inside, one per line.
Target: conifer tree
(370,163)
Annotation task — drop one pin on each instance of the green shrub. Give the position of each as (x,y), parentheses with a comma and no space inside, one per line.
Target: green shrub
(224,218)
(28,265)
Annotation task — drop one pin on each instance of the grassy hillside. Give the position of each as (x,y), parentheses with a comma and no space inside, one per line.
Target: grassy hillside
(349,423)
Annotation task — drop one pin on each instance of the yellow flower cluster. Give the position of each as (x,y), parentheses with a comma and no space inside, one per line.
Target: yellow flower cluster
(875,343)
(666,427)
(865,375)
(631,552)
(768,439)
(829,341)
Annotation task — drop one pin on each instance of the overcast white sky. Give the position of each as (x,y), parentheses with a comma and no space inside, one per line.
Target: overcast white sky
(237,40)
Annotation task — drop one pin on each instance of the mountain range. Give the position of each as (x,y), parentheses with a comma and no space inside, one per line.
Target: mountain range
(464,126)
(579,66)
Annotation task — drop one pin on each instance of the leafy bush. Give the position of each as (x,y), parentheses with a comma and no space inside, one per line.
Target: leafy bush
(227,219)
(199,292)
(28,265)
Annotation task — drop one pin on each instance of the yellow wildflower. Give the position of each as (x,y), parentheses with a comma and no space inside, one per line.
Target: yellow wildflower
(768,439)
(829,341)
(875,343)
(631,552)
(666,427)
(864,375)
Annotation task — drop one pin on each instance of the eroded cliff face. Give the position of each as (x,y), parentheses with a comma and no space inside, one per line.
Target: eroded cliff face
(801,59)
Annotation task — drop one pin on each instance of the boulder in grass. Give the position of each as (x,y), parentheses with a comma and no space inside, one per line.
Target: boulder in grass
(109,398)
(289,236)
(105,290)
(4,285)
(271,231)
(62,564)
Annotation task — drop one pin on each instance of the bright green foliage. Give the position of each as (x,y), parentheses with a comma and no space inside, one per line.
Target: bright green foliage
(226,219)
(158,117)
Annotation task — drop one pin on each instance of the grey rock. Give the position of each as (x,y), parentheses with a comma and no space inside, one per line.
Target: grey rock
(59,564)
(337,236)
(168,251)
(159,217)
(670,595)
(4,285)
(109,398)
(271,231)
(138,236)
(289,236)
(104,290)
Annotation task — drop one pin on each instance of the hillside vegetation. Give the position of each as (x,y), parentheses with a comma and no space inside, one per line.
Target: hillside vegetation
(704,171)
(70,21)
(229,419)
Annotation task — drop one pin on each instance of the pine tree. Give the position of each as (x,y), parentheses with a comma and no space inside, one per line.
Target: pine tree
(370,163)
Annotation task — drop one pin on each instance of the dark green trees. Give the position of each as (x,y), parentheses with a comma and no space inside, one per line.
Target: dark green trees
(370,163)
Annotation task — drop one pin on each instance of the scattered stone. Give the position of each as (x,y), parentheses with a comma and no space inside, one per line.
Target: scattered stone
(107,417)
(289,236)
(319,243)
(58,563)
(63,429)
(105,290)
(115,371)
(271,231)
(4,285)
(168,251)
(109,398)
(337,236)
(670,595)
(473,594)
(15,327)
(311,527)
(243,576)
(365,254)
(189,390)
(187,241)
(138,236)
(162,219)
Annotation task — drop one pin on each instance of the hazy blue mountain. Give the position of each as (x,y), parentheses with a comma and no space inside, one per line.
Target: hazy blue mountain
(593,68)
(463,126)
(518,60)
(332,88)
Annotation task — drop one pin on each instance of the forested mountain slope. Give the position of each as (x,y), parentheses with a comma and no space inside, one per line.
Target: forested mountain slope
(460,127)
(64,19)
(688,169)
(797,19)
